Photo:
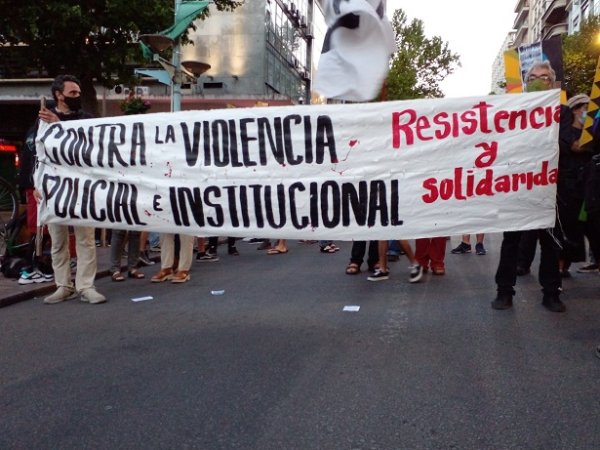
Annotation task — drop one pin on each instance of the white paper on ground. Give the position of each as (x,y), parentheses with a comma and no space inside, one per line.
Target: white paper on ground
(142,299)
(351,308)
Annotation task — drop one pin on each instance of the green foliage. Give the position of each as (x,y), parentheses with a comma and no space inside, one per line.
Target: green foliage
(420,64)
(134,105)
(580,57)
(92,39)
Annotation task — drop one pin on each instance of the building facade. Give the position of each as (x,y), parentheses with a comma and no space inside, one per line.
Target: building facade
(539,20)
(265,48)
(580,10)
(498,67)
(521,24)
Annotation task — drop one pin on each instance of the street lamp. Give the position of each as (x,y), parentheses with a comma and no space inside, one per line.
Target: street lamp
(171,38)
(176,60)
(157,42)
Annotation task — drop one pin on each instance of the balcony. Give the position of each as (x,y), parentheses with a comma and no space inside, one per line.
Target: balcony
(556,13)
(522,16)
(554,30)
(521,37)
(521,4)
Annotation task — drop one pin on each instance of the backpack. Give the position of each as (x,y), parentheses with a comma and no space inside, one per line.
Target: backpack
(27,158)
(11,266)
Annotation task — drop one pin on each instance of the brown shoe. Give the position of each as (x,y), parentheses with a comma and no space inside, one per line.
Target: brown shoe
(181,276)
(438,270)
(163,275)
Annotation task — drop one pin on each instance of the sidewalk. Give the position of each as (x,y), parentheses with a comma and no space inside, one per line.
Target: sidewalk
(12,292)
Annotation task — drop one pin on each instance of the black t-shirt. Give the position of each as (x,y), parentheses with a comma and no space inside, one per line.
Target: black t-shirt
(72,116)
(27,152)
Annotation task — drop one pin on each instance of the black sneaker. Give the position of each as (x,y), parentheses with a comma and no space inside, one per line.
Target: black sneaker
(206,257)
(379,275)
(416,273)
(590,268)
(480,249)
(522,271)
(503,301)
(461,248)
(233,251)
(144,260)
(553,303)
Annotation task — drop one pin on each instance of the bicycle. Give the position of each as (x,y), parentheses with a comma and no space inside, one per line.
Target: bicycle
(9,204)
(11,221)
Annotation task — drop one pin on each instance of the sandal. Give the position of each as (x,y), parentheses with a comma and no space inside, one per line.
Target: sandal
(352,269)
(117,276)
(135,274)
(276,251)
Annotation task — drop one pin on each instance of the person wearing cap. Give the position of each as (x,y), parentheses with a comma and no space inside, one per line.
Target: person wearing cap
(572,169)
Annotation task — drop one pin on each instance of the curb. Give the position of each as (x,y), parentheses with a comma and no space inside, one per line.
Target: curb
(47,289)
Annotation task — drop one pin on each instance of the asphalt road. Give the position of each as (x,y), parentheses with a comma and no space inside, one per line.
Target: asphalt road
(275,363)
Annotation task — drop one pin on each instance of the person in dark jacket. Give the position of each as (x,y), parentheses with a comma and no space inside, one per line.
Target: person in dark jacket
(573,166)
(66,90)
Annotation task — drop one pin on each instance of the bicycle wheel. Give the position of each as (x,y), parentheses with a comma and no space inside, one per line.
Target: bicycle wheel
(8,210)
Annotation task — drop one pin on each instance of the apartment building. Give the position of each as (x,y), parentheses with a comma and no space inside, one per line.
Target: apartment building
(265,48)
(538,20)
(579,10)
(498,69)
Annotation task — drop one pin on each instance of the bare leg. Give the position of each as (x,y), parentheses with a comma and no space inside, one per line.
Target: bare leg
(282,245)
(201,245)
(383,248)
(408,250)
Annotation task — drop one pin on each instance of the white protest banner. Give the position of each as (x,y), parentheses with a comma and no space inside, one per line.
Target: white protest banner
(391,170)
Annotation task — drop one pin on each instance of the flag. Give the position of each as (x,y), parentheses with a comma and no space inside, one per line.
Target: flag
(589,135)
(356,52)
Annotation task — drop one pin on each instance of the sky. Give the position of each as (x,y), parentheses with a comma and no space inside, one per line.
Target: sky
(475,29)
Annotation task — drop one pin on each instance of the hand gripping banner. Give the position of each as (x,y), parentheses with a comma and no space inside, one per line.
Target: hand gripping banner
(392,170)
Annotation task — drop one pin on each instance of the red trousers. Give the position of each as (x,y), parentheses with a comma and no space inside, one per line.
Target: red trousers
(430,252)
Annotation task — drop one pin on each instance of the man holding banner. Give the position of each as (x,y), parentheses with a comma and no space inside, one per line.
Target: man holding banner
(540,76)
(66,91)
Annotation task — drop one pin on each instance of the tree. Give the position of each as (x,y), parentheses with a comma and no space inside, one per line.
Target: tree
(581,51)
(92,39)
(420,64)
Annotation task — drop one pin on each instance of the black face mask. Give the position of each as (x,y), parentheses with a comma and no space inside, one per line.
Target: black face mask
(74,103)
